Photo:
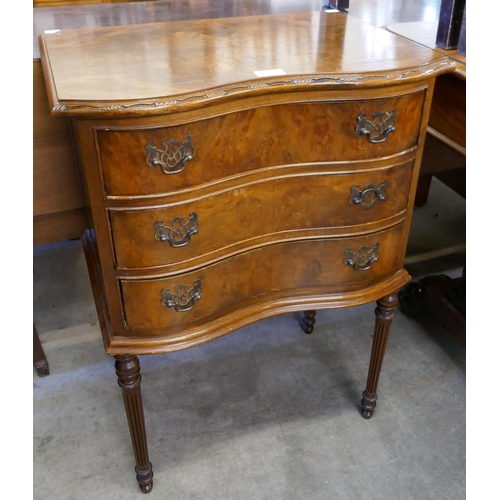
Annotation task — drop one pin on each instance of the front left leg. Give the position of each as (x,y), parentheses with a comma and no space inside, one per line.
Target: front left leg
(384,314)
(129,379)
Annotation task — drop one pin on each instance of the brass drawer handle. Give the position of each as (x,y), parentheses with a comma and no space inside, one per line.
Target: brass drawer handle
(178,233)
(369,195)
(173,157)
(378,128)
(363,259)
(184,298)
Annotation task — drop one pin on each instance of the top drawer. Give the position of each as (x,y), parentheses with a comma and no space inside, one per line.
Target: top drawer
(161,160)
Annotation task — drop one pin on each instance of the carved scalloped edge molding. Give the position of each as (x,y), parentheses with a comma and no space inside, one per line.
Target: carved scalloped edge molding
(193,100)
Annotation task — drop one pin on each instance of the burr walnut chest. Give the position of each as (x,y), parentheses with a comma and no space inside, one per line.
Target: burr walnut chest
(238,168)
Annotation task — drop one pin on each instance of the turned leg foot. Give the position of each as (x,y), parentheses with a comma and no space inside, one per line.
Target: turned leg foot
(145,477)
(368,404)
(308,320)
(129,379)
(384,314)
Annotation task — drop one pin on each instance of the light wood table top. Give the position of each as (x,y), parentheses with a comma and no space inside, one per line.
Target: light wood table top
(424,33)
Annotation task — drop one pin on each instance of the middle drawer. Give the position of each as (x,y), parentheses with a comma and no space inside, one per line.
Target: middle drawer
(209,227)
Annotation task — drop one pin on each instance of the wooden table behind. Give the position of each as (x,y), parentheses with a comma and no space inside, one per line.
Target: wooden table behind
(445,145)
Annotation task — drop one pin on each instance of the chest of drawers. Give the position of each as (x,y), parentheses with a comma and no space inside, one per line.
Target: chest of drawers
(218,195)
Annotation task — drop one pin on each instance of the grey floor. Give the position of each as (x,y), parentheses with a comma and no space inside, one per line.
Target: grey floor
(264,413)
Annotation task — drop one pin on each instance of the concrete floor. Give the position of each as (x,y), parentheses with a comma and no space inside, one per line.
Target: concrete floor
(264,413)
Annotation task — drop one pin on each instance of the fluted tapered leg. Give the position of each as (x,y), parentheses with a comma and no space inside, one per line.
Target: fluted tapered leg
(384,314)
(129,379)
(308,320)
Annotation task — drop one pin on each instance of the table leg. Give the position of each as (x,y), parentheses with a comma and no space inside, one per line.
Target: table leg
(308,321)
(423,187)
(129,379)
(384,314)
(39,359)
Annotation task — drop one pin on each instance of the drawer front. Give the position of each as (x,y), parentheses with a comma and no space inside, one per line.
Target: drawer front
(241,217)
(162,160)
(309,266)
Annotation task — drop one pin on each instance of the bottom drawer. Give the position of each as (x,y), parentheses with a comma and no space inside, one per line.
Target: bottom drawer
(208,293)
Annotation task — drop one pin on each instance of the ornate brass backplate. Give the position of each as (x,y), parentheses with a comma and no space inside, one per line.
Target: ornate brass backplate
(368,195)
(172,157)
(176,232)
(362,258)
(378,128)
(184,297)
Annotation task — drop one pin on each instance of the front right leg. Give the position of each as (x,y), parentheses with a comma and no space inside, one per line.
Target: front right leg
(129,379)
(384,314)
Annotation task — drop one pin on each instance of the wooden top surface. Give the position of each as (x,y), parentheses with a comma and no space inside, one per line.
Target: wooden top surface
(425,34)
(119,14)
(159,11)
(158,67)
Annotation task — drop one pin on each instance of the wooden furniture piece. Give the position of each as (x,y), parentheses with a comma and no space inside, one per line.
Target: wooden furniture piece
(441,296)
(239,168)
(58,206)
(445,151)
(445,158)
